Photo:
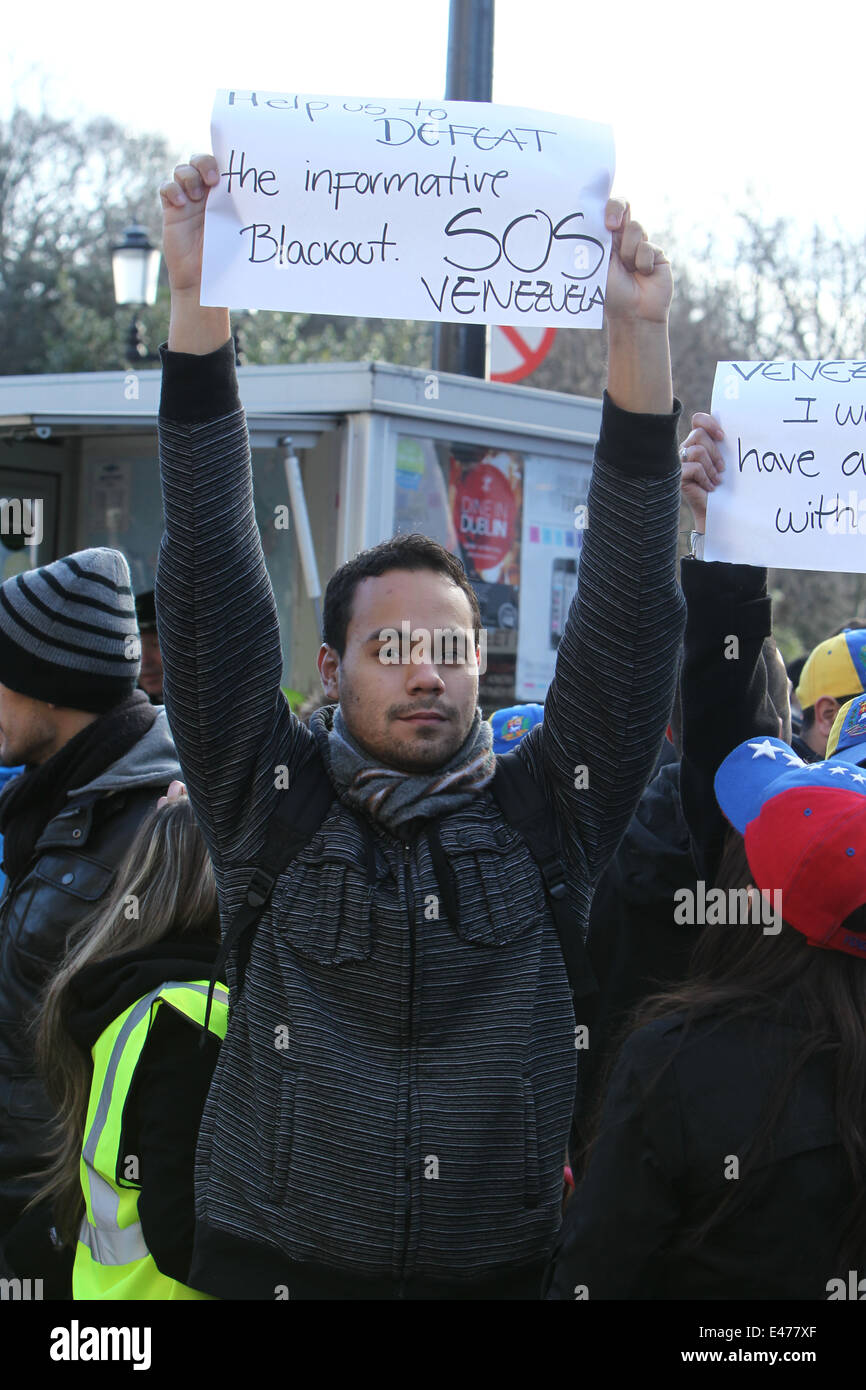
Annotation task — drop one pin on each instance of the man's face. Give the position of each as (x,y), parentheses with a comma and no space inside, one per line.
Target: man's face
(410,714)
(28,733)
(150,679)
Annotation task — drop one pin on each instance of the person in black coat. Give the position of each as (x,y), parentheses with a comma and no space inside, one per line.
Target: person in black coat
(96,755)
(730,1160)
(636,943)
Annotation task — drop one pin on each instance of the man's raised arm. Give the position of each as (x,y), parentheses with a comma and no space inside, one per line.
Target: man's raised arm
(611,695)
(216,615)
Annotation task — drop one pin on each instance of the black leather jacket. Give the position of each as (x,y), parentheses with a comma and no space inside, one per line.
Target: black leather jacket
(74,863)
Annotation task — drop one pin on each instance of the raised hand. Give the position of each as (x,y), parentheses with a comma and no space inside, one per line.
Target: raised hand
(183,201)
(184,198)
(176,792)
(640,285)
(702,464)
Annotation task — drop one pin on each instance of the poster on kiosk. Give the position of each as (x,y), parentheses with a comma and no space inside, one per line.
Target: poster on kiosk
(554,518)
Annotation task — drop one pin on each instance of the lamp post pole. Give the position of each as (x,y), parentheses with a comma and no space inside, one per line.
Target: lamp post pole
(135,267)
(462,347)
(136,349)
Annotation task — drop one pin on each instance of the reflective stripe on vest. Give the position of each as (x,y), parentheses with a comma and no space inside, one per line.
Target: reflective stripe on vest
(109,1242)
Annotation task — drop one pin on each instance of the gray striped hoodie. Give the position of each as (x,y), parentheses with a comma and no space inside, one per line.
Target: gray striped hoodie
(392,1101)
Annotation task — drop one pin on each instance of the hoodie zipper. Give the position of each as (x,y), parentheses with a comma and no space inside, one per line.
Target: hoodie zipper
(410,1040)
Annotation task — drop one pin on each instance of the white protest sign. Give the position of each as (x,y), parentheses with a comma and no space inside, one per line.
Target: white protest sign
(461,212)
(793,494)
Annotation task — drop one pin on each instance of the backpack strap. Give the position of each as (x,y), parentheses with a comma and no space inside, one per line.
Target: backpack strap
(443,871)
(524,805)
(298,815)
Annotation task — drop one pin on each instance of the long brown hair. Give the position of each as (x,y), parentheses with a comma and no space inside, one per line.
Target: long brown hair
(164,886)
(739,973)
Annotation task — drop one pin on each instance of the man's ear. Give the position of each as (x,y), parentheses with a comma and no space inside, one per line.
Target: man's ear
(328,662)
(826,709)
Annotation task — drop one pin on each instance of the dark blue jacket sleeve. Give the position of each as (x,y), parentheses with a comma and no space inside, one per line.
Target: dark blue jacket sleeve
(724,689)
(216,614)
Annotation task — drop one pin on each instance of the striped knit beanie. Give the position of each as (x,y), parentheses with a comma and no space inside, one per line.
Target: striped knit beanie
(69,634)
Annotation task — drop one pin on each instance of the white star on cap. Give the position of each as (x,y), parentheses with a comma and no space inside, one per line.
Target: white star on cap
(763,750)
(794,761)
(838,771)
(857,777)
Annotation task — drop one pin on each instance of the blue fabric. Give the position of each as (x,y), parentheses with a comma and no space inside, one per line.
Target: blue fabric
(512,724)
(6,775)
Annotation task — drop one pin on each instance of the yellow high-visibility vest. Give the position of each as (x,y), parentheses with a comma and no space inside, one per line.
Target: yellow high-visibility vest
(112,1260)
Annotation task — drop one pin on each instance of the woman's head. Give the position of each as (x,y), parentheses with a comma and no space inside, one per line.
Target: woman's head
(164,887)
(165,884)
(752,963)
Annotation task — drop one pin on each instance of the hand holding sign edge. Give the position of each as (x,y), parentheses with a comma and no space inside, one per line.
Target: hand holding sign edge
(184,197)
(702,464)
(640,284)
(639,292)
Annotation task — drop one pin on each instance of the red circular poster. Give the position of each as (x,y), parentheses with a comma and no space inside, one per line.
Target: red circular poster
(485,514)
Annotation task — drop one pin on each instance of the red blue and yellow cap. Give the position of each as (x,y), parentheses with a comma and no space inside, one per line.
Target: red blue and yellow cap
(804,827)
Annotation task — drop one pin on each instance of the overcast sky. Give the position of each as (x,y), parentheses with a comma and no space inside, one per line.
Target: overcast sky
(713,106)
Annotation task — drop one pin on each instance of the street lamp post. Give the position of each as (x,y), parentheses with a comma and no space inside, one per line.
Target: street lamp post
(462,347)
(135,265)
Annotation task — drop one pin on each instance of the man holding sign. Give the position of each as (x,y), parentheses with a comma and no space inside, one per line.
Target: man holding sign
(392,1102)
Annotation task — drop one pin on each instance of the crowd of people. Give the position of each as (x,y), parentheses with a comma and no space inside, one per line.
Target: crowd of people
(396,1001)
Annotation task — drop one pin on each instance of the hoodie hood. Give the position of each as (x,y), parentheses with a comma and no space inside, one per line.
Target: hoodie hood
(152,761)
(102,991)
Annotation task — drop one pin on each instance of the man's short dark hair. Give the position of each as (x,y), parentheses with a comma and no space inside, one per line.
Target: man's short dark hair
(402,552)
(795,668)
